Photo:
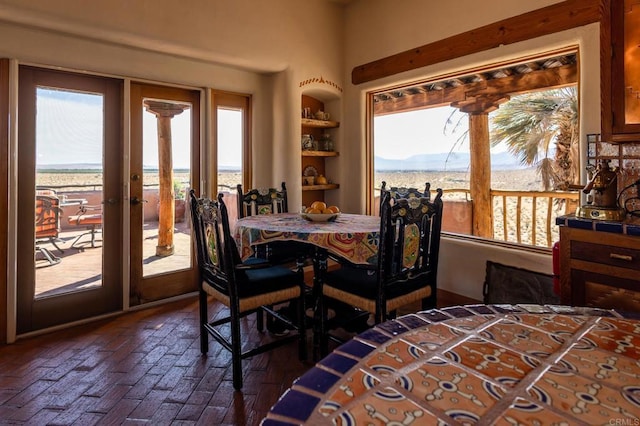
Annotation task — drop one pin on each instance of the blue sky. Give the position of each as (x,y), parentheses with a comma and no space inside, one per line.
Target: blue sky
(399,136)
(70,132)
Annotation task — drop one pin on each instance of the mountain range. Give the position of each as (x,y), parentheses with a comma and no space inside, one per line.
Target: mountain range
(453,162)
(442,162)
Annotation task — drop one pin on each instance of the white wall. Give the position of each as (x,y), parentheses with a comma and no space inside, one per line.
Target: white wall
(240,46)
(379,28)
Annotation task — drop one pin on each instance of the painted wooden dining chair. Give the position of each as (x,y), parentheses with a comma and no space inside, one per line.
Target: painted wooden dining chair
(243,287)
(258,201)
(262,201)
(396,192)
(269,201)
(406,269)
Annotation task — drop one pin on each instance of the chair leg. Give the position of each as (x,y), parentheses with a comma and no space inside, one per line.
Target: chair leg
(260,320)
(302,328)
(236,349)
(50,257)
(204,319)
(92,234)
(430,302)
(320,339)
(53,241)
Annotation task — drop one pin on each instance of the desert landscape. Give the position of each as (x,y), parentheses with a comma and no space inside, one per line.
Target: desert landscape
(515,180)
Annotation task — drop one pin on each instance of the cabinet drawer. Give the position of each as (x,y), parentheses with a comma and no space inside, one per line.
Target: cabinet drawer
(608,255)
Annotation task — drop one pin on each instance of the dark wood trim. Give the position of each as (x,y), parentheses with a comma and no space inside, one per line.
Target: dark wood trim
(606,52)
(4,188)
(39,313)
(547,20)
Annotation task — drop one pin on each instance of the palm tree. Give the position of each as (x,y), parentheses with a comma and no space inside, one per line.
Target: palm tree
(533,124)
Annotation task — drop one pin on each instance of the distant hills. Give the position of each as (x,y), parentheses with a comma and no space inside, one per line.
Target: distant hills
(454,162)
(442,162)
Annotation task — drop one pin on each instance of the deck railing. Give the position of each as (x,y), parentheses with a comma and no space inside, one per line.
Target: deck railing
(526,217)
(523,217)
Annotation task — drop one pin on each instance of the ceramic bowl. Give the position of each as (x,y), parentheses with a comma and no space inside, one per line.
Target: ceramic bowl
(320,217)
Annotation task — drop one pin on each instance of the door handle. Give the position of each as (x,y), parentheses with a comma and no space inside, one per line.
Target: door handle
(136,200)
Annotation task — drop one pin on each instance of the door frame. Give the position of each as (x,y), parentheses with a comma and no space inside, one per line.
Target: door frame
(148,289)
(36,314)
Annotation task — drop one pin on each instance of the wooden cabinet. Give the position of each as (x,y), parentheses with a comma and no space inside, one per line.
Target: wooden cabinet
(620,67)
(599,269)
(313,161)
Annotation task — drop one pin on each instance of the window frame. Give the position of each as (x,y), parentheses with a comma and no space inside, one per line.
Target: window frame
(237,101)
(371,114)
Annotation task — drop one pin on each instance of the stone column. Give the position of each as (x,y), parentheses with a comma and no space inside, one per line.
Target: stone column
(164,112)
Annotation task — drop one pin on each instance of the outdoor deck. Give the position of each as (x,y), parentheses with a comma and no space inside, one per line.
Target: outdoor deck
(80,269)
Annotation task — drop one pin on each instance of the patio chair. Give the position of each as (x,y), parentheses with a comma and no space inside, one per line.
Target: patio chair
(406,269)
(89,217)
(47,227)
(243,287)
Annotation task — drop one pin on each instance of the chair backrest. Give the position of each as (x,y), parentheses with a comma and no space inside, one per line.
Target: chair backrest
(409,239)
(47,216)
(216,250)
(262,201)
(397,192)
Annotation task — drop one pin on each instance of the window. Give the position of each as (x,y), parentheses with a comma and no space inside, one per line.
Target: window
(518,120)
(232,124)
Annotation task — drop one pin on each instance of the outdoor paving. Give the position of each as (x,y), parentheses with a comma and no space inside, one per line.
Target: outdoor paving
(81,269)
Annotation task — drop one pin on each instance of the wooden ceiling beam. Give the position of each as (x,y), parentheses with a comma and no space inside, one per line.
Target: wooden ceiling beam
(547,20)
(507,86)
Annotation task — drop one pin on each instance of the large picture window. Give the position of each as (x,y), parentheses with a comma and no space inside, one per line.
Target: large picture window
(502,142)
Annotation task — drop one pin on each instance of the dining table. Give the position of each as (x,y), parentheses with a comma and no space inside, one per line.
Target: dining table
(352,237)
(477,364)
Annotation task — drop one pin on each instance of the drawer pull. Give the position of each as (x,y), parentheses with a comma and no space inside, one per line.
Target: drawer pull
(620,257)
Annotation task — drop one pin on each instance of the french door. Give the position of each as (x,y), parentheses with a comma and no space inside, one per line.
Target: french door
(69,197)
(164,167)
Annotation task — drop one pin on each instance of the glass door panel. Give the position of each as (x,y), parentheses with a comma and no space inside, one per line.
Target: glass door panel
(165,141)
(166,180)
(68,191)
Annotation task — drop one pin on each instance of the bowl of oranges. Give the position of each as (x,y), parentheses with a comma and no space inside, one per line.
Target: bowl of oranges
(320,212)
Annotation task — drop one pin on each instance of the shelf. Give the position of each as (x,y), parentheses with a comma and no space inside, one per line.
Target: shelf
(320,153)
(320,187)
(323,124)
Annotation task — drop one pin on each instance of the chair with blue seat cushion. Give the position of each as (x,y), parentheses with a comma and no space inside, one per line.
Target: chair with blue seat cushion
(243,287)
(406,269)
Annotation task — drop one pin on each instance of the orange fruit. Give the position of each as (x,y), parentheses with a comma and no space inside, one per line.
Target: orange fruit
(314,211)
(319,205)
(333,209)
(327,211)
